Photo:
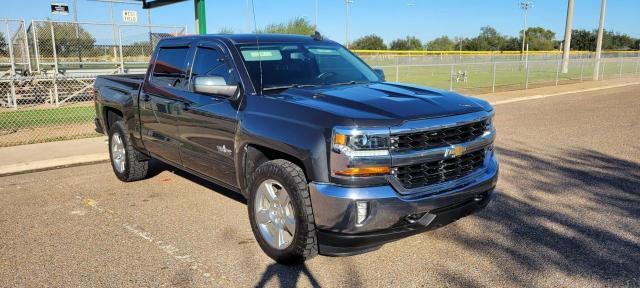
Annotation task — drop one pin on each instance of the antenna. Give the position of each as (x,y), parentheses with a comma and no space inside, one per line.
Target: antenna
(255,27)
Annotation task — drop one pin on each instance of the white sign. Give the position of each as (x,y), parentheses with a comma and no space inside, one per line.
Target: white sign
(129,16)
(60,8)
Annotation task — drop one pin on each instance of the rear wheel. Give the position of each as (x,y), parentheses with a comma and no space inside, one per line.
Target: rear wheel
(124,160)
(280,212)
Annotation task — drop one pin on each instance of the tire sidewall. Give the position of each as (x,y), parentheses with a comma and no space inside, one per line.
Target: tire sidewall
(272,171)
(117,128)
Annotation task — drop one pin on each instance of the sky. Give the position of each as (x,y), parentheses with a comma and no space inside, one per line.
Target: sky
(391,19)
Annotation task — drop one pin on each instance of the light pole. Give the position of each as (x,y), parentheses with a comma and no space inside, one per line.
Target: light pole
(567,38)
(315,15)
(346,36)
(596,70)
(525,6)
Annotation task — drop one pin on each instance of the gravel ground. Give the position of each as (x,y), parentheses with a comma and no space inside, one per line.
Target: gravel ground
(567,214)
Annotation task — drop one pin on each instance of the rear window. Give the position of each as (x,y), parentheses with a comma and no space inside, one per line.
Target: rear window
(170,66)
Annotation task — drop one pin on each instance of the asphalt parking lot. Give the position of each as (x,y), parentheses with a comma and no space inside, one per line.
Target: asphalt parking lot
(567,213)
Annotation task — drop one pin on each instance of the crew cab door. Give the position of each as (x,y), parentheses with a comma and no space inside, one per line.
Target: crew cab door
(159,106)
(207,122)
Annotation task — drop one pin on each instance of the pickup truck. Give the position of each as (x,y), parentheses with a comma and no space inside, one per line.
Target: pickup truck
(331,158)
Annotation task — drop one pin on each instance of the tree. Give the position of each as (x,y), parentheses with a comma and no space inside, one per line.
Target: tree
(369,42)
(540,39)
(583,40)
(296,25)
(67,43)
(488,40)
(408,43)
(4,49)
(442,43)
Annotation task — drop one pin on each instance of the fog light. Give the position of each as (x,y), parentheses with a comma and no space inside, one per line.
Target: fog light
(362,212)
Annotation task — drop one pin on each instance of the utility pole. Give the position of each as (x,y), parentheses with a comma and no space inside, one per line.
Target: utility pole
(596,70)
(315,15)
(249,17)
(75,19)
(525,6)
(567,38)
(346,38)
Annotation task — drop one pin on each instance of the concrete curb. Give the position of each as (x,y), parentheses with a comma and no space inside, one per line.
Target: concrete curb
(35,166)
(533,97)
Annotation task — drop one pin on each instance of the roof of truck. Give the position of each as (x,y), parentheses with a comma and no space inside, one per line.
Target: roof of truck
(253,38)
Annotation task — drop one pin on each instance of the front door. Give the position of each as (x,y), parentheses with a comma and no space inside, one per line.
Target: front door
(159,105)
(207,123)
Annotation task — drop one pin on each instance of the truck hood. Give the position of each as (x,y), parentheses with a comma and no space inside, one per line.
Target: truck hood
(383,101)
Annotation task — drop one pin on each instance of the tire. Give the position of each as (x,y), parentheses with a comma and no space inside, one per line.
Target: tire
(127,167)
(303,243)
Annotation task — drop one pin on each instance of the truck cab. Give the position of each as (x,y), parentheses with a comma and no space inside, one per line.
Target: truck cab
(331,158)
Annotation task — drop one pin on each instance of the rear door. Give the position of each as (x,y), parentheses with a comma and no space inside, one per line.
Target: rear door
(159,106)
(207,123)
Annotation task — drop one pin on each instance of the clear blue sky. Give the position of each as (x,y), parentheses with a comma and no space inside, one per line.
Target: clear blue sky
(390,19)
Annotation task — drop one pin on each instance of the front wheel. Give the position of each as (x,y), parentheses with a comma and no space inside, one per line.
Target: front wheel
(280,212)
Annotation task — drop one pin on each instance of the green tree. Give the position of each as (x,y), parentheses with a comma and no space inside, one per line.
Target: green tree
(541,39)
(488,40)
(407,44)
(583,40)
(442,43)
(369,42)
(296,25)
(68,43)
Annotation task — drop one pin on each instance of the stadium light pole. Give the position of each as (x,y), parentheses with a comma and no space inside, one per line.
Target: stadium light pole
(346,37)
(567,38)
(596,68)
(525,6)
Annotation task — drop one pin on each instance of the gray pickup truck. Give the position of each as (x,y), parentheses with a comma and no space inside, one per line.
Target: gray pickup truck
(332,159)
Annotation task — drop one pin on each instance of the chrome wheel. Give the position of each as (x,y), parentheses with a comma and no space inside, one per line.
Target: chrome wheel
(274,214)
(117,152)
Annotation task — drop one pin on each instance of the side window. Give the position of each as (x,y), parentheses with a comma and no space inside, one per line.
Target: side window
(211,62)
(169,69)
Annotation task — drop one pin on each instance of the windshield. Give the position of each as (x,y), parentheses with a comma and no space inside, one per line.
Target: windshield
(290,64)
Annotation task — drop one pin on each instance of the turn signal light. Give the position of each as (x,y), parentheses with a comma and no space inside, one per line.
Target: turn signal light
(364,171)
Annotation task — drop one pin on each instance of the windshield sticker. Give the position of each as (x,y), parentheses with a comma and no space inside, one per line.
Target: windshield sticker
(264,55)
(321,51)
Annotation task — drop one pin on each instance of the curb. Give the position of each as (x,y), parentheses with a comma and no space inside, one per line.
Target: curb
(43,165)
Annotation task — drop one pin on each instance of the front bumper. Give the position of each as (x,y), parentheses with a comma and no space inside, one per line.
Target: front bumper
(335,210)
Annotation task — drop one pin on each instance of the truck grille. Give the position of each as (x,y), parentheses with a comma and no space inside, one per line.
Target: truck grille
(439,138)
(434,172)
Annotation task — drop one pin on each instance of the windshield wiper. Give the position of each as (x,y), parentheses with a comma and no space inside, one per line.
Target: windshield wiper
(348,83)
(287,87)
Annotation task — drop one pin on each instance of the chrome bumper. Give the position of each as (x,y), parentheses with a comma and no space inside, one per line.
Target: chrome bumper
(335,206)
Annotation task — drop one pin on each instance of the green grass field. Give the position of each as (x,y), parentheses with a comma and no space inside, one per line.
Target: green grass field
(46,117)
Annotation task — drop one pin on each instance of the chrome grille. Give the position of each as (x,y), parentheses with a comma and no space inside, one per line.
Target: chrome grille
(439,138)
(435,172)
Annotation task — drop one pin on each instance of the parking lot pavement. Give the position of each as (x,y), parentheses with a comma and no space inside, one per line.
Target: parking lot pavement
(566,214)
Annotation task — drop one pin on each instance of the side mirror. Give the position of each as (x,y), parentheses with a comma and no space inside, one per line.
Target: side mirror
(215,85)
(380,73)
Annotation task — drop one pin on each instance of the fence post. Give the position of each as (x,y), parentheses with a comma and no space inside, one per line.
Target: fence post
(55,64)
(397,68)
(12,72)
(558,72)
(451,77)
(581,68)
(36,48)
(637,64)
(602,74)
(621,63)
(526,77)
(493,82)
(120,47)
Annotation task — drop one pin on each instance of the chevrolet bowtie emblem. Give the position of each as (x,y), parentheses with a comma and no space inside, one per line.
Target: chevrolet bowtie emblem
(455,151)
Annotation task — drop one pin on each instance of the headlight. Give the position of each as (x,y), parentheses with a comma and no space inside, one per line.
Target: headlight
(360,152)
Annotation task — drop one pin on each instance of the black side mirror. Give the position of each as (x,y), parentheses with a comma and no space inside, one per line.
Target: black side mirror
(380,73)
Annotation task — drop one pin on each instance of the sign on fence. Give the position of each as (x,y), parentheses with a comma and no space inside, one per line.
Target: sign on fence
(60,8)
(129,16)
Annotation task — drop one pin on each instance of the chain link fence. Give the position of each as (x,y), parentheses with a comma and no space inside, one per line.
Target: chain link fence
(48,70)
